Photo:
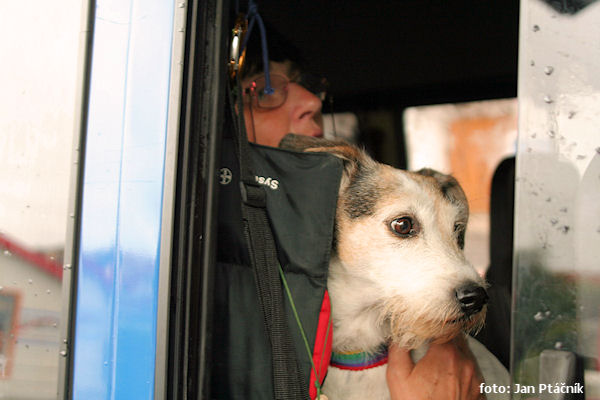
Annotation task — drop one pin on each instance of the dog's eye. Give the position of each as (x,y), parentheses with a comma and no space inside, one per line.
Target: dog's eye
(404,226)
(459,229)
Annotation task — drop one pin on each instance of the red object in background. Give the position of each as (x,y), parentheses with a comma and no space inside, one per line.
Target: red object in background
(38,260)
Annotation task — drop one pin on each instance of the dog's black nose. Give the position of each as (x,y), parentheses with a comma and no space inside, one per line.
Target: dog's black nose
(472,298)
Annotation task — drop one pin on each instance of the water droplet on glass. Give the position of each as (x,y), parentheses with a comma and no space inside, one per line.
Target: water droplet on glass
(548,99)
(533,135)
(67,266)
(181,5)
(551,134)
(536,28)
(554,221)
(571,114)
(538,316)
(563,210)
(105,363)
(548,70)
(565,229)
(1,287)
(598,150)
(30,281)
(27,346)
(581,157)
(7,253)
(558,345)
(48,291)
(532,63)
(547,313)
(63,353)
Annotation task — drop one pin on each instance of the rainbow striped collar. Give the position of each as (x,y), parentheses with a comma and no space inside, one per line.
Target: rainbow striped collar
(360,360)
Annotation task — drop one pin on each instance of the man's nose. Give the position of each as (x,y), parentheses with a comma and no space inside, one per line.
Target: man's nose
(305,102)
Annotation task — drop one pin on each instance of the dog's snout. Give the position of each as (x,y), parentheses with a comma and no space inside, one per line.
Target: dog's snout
(472,298)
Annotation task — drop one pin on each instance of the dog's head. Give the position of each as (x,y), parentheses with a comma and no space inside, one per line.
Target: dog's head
(399,248)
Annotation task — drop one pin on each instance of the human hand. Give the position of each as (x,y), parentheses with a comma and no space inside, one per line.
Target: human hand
(448,371)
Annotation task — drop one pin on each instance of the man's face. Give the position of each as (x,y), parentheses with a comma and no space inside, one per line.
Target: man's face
(299,114)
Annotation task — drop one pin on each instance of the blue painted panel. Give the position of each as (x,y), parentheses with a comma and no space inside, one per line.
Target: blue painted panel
(115,332)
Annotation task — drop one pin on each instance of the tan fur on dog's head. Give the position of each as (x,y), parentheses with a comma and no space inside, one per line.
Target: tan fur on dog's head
(390,285)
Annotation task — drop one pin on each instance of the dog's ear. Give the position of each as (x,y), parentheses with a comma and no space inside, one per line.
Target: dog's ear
(353,157)
(450,189)
(339,148)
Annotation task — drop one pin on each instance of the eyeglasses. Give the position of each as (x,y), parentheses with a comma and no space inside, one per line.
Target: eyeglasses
(279,83)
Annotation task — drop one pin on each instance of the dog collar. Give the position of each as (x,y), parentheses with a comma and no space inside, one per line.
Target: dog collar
(360,360)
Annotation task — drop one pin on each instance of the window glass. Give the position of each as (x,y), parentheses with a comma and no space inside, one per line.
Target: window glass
(557,230)
(39,47)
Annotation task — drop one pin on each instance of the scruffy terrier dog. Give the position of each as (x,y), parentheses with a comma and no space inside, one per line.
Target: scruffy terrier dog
(398,273)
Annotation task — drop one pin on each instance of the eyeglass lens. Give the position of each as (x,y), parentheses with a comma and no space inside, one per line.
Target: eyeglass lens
(314,84)
(261,99)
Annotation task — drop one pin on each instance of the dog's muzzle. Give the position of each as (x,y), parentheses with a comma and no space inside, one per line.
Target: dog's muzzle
(472,298)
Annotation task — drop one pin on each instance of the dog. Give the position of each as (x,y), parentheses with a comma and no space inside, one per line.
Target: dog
(397,272)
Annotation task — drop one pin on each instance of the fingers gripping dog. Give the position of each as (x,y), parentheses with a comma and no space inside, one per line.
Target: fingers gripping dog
(398,273)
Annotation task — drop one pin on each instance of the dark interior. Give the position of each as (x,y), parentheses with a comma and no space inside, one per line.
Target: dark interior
(383,56)
(380,54)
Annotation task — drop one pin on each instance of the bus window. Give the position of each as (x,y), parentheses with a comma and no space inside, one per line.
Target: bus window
(37,119)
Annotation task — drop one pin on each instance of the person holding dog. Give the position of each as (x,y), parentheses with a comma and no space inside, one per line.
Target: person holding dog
(448,370)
